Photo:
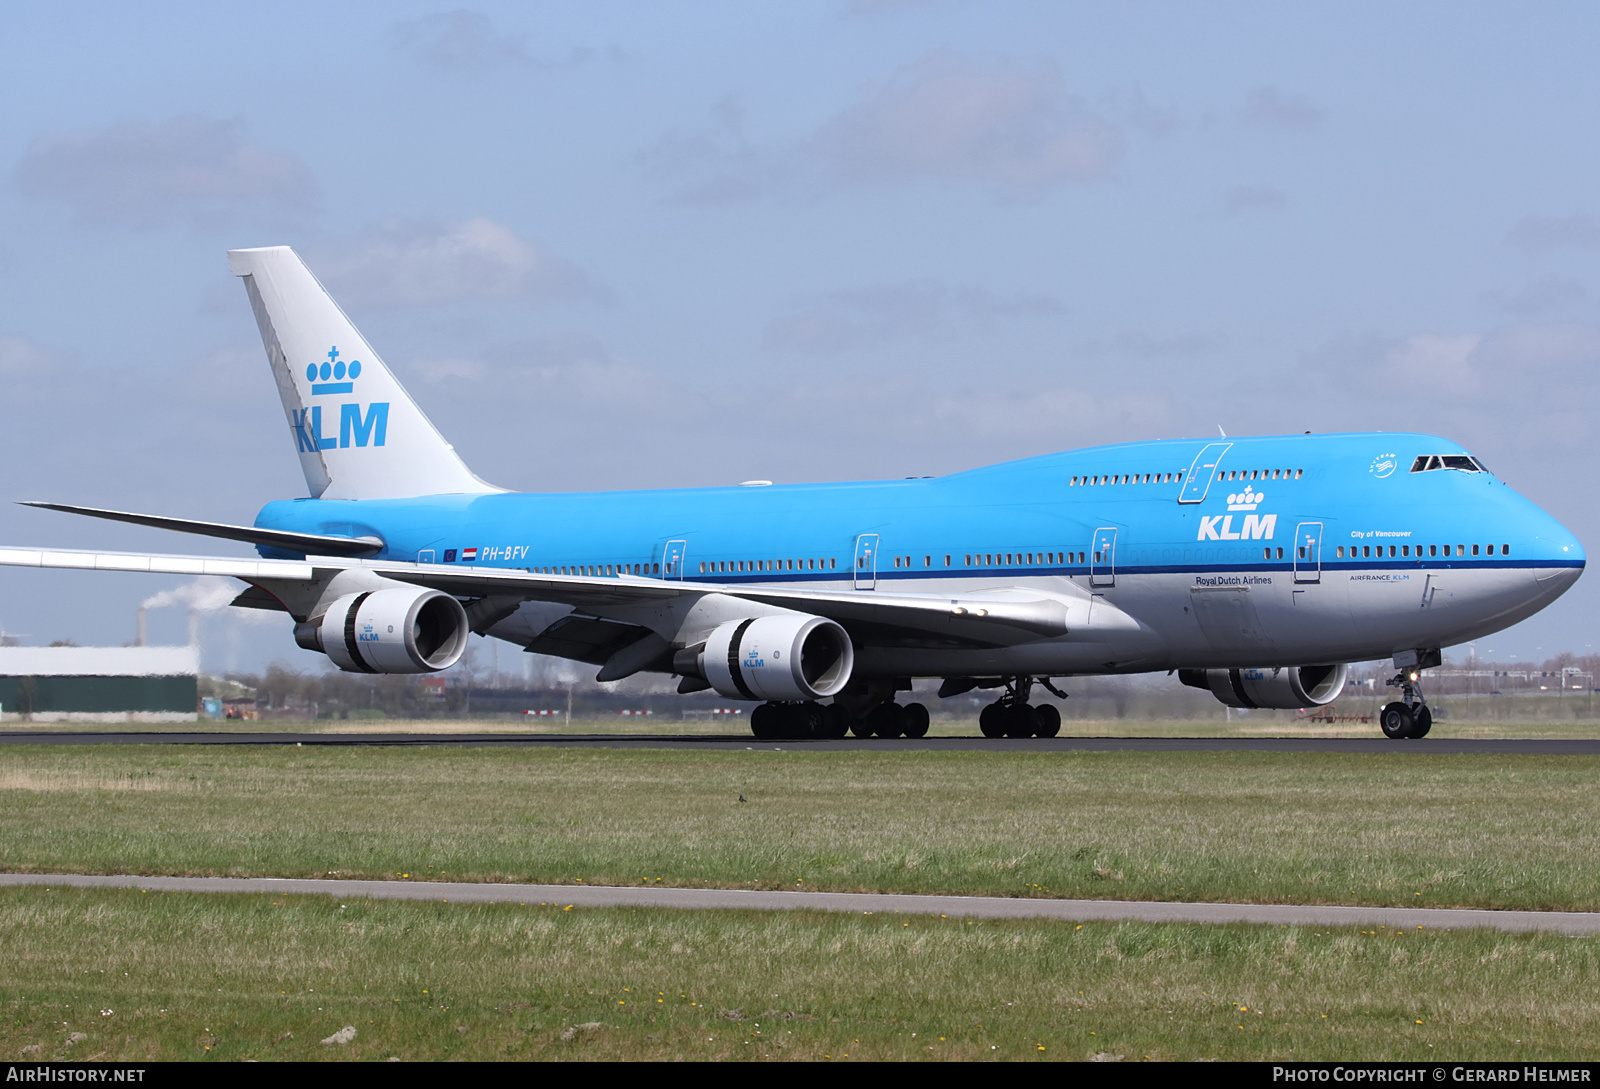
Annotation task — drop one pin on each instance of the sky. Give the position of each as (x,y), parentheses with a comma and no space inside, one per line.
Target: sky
(678,244)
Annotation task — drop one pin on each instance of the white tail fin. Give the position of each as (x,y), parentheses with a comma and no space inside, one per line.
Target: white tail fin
(358,433)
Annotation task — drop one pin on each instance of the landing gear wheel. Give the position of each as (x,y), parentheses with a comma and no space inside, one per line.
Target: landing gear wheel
(1421,722)
(1396,721)
(1048,719)
(861,727)
(991,720)
(766,721)
(807,721)
(914,722)
(1021,721)
(835,722)
(887,720)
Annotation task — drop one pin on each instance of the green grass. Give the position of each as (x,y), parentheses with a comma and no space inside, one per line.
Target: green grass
(178,976)
(1418,830)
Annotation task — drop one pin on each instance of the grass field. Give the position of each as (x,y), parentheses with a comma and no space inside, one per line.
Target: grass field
(122,975)
(1438,831)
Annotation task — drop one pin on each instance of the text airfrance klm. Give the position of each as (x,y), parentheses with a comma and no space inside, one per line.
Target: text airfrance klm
(1219,527)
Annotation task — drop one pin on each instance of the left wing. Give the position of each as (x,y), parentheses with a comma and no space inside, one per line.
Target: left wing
(1003,616)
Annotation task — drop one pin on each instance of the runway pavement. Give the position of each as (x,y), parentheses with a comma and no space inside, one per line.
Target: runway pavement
(1425,746)
(983,907)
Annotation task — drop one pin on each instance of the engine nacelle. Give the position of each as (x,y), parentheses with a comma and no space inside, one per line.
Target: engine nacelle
(788,657)
(389,631)
(1286,688)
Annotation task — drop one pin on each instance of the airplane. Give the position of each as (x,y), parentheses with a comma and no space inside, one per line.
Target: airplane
(1254,568)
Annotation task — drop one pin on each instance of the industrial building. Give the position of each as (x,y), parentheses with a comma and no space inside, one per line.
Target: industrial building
(99,684)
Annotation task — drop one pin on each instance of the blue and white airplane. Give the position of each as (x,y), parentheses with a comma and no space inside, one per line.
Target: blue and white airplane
(1255,568)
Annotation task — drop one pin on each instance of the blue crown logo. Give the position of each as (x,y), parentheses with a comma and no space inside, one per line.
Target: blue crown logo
(336,376)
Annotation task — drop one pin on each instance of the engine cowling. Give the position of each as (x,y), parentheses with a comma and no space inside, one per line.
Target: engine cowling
(790,657)
(389,631)
(1284,688)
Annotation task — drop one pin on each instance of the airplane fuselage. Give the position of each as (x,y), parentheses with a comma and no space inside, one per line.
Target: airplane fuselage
(1238,552)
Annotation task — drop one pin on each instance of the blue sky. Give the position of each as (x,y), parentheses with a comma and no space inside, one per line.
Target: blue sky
(660,245)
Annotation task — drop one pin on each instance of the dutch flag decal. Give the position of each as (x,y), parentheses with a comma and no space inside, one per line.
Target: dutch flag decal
(468,555)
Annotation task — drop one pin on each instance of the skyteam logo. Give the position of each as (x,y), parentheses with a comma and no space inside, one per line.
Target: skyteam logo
(1384,465)
(1256,527)
(334,375)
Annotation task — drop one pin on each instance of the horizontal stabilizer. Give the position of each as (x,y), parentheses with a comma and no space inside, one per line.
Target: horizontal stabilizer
(312,544)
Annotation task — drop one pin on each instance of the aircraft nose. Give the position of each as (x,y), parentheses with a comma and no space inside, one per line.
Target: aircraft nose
(1560,557)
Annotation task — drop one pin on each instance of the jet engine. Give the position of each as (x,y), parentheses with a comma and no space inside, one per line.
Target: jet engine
(1285,688)
(389,631)
(786,657)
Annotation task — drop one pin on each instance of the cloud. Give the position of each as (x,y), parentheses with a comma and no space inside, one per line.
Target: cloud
(190,169)
(1544,233)
(1275,108)
(1549,293)
(21,358)
(1248,199)
(869,316)
(401,262)
(1505,367)
(945,116)
(459,41)
(722,165)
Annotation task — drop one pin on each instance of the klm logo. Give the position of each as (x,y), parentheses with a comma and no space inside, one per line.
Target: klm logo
(334,375)
(1219,527)
(753,660)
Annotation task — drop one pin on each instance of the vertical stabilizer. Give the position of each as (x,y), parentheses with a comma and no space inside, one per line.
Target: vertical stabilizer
(358,433)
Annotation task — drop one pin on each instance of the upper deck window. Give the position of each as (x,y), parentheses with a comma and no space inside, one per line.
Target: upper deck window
(1427,463)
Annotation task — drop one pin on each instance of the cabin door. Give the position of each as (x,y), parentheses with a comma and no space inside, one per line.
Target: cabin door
(1308,552)
(864,574)
(1103,557)
(1197,481)
(672,559)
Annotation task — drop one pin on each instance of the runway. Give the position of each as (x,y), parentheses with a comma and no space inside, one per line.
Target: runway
(978,907)
(1374,745)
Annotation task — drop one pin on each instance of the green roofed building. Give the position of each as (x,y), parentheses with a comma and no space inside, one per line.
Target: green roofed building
(99,684)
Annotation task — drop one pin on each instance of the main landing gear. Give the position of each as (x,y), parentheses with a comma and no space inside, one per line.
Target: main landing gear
(1407,716)
(1012,716)
(812,721)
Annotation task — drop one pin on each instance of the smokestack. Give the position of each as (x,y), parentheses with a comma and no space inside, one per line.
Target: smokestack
(194,627)
(141,638)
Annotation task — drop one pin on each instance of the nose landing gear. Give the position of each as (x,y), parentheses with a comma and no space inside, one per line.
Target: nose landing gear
(1409,716)
(1012,716)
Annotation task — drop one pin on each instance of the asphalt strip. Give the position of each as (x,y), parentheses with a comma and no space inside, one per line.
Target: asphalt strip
(856,903)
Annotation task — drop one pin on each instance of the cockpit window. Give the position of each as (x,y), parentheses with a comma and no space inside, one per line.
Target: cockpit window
(1427,463)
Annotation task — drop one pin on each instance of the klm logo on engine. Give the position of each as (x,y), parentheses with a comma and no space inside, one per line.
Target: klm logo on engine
(1256,527)
(753,660)
(360,427)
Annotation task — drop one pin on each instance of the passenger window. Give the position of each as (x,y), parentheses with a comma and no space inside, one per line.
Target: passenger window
(1474,550)
(1505,550)
(1461,550)
(1405,550)
(1338,552)
(947,561)
(1280,553)
(1433,550)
